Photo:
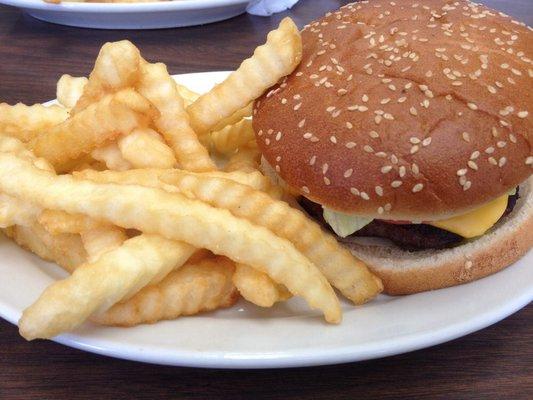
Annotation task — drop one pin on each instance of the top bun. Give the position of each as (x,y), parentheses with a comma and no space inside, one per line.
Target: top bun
(404,109)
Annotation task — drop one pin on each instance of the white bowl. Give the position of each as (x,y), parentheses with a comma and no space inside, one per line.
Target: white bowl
(164,14)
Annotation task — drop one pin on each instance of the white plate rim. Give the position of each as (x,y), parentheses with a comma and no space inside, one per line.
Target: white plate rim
(173,5)
(294,358)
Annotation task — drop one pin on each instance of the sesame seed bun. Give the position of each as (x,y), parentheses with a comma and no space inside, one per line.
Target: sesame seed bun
(407,110)
(404,272)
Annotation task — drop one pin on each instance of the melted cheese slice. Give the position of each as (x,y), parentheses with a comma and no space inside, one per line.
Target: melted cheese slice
(476,222)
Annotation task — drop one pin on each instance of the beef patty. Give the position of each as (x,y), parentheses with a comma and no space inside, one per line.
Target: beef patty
(410,237)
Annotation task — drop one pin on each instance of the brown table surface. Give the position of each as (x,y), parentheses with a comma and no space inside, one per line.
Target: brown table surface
(493,363)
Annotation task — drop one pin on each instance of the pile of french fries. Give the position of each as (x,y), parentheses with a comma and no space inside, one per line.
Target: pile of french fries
(117,185)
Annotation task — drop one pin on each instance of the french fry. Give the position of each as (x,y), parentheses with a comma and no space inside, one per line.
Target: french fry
(173,122)
(278,57)
(105,120)
(101,239)
(57,222)
(116,68)
(343,271)
(237,116)
(189,96)
(112,157)
(257,287)
(69,90)
(66,249)
(16,212)
(229,139)
(144,148)
(174,217)
(26,122)
(192,289)
(15,146)
(246,159)
(95,286)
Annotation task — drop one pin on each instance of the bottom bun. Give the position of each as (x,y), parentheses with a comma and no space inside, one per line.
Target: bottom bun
(404,272)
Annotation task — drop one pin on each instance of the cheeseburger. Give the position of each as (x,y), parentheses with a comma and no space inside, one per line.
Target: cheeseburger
(406,129)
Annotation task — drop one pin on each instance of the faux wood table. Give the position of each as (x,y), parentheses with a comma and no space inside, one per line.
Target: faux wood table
(495,363)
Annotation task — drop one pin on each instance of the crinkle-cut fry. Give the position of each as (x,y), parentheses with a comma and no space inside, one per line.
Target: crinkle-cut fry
(348,274)
(173,122)
(145,148)
(115,68)
(175,217)
(101,239)
(96,286)
(246,159)
(26,122)
(237,116)
(15,146)
(192,289)
(152,178)
(189,96)
(112,157)
(56,222)
(65,249)
(69,90)
(105,120)
(16,212)
(232,137)
(278,57)
(257,287)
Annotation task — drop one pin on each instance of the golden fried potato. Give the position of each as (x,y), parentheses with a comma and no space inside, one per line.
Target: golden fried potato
(237,116)
(278,57)
(112,157)
(229,139)
(70,89)
(173,122)
(16,212)
(192,289)
(112,116)
(57,222)
(246,159)
(26,122)
(257,287)
(95,286)
(145,148)
(66,249)
(174,217)
(116,68)
(101,239)
(189,96)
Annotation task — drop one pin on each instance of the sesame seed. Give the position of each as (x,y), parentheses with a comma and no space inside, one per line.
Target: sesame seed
(350,145)
(327,181)
(414,140)
(472,165)
(342,92)
(426,141)
(362,108)
(301,123)
(297,106)
(413,111)
(335,114)
(493,161)
(523,114)
(502,161)
(472,106)
(378,119)
(348,173)
(364,98)
(415,169)
(379,191)
(365,196)
(401,171)
(417,188)
(467,185)
(402,99)
(462,180)
(312,161)
(325,168)
(462,172)
(305,189)
(381,210)
(414,149)
(396,184)
(373,134)
(386,169)
(368,148)
(308,135)
(394,159)
(284,101)
(529,160)
(501,144)
(349,125)
(474,155)
(278,136)
(466,136)
(354,191)
(385,101)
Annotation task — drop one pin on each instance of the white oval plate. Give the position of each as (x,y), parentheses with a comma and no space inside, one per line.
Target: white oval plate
(288,335)
(163,14)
